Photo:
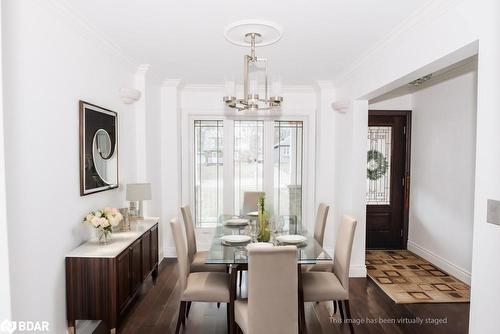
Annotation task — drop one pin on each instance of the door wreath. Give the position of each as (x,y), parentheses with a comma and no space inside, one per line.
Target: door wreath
(377,165)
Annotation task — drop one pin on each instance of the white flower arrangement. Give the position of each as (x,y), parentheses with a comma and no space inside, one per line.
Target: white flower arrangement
(103,220)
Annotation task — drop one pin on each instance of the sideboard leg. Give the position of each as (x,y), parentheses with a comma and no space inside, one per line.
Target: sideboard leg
(71,327)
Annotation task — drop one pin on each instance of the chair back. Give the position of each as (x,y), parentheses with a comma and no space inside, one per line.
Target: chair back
(272,290)
(182,255)
(319,225)
(343,250)
(250,199)
(190,231)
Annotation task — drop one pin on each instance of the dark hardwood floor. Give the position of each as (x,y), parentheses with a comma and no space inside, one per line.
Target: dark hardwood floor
(157,307)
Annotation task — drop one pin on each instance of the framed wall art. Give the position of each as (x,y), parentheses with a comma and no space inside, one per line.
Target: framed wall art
(98,149)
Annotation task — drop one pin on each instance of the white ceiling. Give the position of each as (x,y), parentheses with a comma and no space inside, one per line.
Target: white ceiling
(184,38)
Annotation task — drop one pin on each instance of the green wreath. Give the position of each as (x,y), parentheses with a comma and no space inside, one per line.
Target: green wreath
(377,165)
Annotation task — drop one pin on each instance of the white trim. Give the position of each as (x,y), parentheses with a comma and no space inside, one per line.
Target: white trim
(440,262)
(219,88)
(169,252)
(357,271)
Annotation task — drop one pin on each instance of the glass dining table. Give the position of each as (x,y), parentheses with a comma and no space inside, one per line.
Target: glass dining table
(308,252)
(236,257)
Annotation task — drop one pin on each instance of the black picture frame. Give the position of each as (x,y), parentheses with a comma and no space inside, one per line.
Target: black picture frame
(94,118)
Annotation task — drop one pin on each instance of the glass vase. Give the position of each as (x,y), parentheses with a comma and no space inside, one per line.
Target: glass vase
(264,230)
(103,236)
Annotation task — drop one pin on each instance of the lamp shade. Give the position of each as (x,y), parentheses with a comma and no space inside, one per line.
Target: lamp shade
(138,191)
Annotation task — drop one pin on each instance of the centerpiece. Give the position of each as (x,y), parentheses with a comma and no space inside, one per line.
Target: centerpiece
(103,221)
(264,231)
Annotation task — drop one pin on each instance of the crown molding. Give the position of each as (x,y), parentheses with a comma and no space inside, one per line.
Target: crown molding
(287,89)
(430,10)
(85,29)
(324,84)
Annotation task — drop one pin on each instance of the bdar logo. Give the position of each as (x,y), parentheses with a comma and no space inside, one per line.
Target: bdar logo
(8,326)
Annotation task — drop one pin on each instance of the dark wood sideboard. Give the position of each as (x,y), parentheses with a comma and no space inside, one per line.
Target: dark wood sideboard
(102,281)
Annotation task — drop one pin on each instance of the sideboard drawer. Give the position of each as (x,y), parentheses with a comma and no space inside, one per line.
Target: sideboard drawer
(123,264)
(135,265)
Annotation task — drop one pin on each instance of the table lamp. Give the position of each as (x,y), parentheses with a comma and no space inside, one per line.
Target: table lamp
(139,192)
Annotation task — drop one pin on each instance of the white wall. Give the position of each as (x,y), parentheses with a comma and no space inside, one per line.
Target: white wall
(5,310)
(50,62)
(445,33)
(442,171)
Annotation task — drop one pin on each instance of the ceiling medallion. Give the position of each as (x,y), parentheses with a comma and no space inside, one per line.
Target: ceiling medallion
(254,33)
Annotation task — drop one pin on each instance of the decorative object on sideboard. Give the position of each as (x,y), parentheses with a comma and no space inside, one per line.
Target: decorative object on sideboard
(130,95)
(126,219)
(139,192)
(103,221)
(98,149)
(264,231)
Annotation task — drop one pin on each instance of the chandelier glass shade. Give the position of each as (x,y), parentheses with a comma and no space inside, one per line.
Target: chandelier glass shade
(255,76)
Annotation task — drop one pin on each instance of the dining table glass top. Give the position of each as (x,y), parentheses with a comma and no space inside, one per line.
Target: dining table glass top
(309,252)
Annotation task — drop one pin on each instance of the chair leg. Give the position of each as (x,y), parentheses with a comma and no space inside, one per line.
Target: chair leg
(334,307)
(241,278)
(348,314)
(341,311)
(188,308)
(182,312)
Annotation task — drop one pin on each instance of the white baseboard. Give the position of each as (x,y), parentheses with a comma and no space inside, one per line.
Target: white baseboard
(441,262)
(169,252)
(357,271)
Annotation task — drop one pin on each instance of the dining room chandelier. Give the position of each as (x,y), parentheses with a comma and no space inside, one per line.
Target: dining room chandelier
(257,93)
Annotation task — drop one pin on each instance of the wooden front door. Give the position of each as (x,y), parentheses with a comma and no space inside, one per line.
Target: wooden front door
(388,179)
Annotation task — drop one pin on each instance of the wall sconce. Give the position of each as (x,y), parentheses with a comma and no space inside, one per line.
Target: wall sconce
(130,95)
(341,106)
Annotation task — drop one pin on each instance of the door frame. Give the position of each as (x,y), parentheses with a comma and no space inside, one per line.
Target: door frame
(407,167)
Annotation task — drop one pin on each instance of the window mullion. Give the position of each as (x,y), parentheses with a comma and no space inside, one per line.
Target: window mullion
(268,185)
(228,175)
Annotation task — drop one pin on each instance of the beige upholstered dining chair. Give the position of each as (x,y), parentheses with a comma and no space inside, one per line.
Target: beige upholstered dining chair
(197,286)
(250,199)
(196,258)
(334,285)
(319,236)
(320,223)
(272,302)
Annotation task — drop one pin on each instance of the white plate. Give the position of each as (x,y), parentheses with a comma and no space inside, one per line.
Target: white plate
(259,245)
(235,239)
(253,214)
(236,222)
(293,239)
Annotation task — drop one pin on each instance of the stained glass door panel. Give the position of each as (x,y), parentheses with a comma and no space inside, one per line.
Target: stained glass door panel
(378,179)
